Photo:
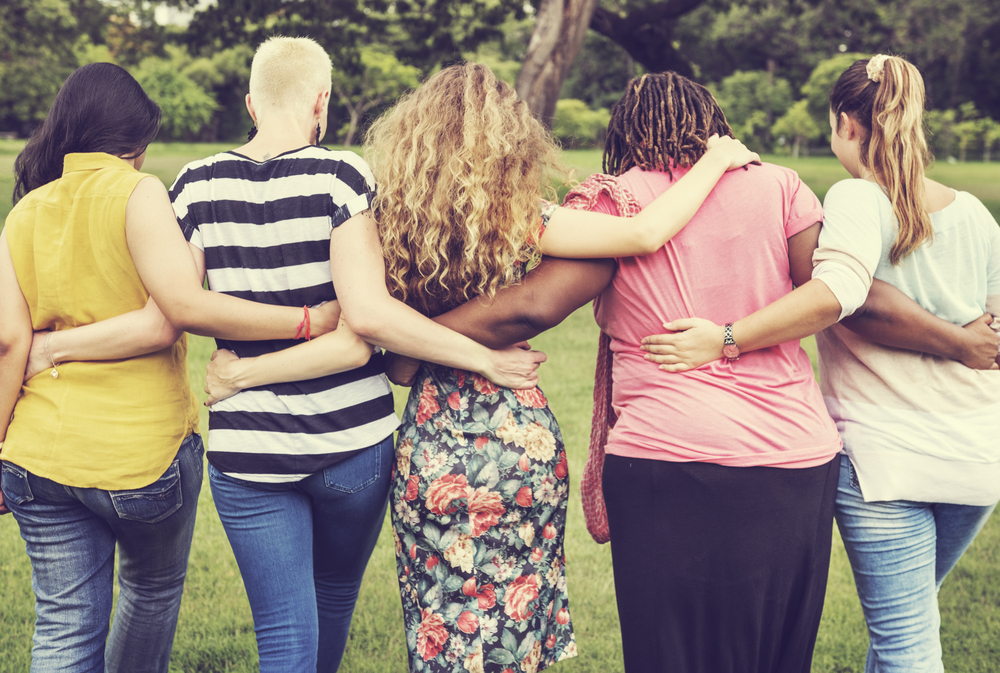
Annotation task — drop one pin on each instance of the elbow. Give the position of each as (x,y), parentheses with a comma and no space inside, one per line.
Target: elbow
(360,354)
(165,336)
(15,342)
(542,315)
(181,316)
(366,324)
(647,243)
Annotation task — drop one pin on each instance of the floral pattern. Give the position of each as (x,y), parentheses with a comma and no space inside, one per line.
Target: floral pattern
(478,512)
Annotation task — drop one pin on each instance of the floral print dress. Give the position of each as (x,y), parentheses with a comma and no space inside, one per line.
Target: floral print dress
(479,513)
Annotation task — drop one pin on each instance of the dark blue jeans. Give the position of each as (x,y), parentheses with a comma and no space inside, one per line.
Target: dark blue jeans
(302,548)
(71,533)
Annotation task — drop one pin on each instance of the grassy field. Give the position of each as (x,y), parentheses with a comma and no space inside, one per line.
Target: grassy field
(215,631)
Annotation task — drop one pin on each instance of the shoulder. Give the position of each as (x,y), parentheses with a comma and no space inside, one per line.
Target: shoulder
(855,188)
(343,165)
(203,169)
(972,204)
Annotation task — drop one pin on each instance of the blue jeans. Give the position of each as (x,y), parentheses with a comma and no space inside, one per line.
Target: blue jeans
(70,534)
(900,552)
(302,548)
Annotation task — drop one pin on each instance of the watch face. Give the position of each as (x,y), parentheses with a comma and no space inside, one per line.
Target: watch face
(731,351)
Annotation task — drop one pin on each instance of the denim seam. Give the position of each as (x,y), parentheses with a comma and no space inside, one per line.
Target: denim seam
(160,495)
(376,453)
(21,474)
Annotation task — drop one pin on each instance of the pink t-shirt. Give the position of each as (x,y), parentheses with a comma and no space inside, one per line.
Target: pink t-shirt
(729,261)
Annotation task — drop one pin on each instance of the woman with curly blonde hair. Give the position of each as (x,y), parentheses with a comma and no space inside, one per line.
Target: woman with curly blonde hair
(479,492)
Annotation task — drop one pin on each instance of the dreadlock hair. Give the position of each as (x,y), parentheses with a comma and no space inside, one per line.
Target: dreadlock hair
(887,101)
(663,120)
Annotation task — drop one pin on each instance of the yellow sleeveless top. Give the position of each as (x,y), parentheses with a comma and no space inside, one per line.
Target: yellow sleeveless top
(114,424)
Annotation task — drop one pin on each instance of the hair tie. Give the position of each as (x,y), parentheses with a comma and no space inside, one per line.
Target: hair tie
(875,66)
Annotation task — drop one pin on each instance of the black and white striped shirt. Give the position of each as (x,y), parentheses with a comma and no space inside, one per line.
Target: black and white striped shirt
(265,229)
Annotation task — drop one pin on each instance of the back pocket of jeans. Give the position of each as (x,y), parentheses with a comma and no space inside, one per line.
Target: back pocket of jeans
(154,502)
(355,473)
(855,484)
(15,484)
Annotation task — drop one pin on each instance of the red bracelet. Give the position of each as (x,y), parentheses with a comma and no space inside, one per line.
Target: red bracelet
(307,324)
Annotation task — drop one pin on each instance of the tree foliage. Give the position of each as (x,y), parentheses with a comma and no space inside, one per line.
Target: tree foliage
(575,124)
(382,79)
(803,44)
(752,101)
(798,126)
(186,106)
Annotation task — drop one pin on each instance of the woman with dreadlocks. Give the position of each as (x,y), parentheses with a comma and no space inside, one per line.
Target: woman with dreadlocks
(719,483)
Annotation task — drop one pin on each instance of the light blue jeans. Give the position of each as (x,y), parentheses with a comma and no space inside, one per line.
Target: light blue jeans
(302,548)
(71,534)
(900,552)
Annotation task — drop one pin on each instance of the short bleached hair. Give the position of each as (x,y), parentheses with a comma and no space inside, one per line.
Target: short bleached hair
(288,73)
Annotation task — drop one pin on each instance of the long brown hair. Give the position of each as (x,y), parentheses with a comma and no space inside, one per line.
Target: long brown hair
(892,146)
(662,120)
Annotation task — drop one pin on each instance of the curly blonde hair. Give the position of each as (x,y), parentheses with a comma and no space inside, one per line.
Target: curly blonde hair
(460,165)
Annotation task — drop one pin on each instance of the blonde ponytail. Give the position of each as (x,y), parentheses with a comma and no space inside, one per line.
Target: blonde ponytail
(886,96)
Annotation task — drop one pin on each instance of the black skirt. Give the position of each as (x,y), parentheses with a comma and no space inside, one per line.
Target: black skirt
(719,569)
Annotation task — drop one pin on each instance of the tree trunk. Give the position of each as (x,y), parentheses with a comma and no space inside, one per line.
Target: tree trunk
(560,27)
(647,33)
(352,128)
(795,147)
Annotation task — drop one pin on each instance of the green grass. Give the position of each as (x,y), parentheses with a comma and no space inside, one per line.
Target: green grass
(215,630)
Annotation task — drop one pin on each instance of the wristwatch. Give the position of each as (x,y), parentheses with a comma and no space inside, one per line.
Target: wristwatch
(730,350)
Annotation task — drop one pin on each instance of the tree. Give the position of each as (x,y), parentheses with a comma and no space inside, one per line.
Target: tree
(225,75)
(383,79)
(560,26)
(36,56)
(752,101)
(600,72)
(798,125)
(991,136)
(186,107)
(576,124)
(940,126)
(968,130)
(821,80)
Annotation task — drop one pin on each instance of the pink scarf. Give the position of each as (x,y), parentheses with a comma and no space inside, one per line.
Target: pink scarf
(584,197)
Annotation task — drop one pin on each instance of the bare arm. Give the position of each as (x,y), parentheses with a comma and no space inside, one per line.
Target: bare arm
(332,353)
(546,296)
(125,336)
(575,233)
(359,277)
(804,311)
(15,340)
(890,318)
(165,265)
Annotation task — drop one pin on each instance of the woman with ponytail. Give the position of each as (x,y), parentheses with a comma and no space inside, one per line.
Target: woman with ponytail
(921,472)
(923,468)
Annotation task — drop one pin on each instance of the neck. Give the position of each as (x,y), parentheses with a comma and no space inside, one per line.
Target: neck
(280,132)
